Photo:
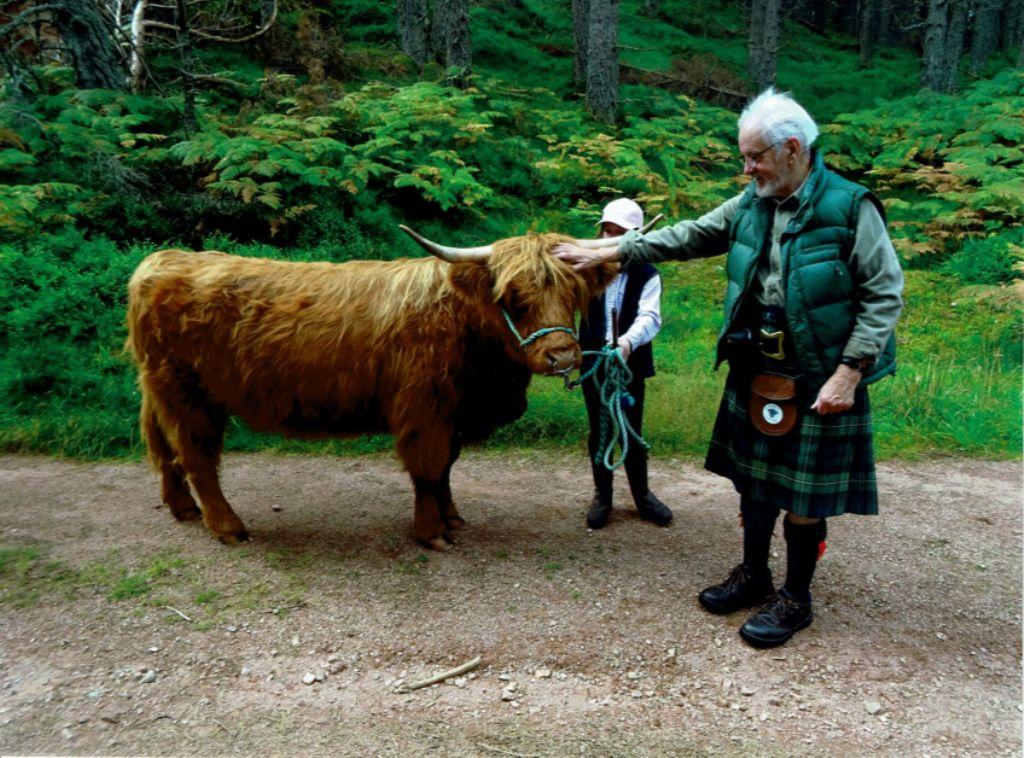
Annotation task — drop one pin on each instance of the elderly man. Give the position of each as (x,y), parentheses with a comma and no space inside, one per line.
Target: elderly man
(813,296)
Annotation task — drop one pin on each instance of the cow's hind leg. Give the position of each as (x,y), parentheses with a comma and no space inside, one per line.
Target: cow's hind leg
(194,427)
(174,489)
(201,439)
(449,515)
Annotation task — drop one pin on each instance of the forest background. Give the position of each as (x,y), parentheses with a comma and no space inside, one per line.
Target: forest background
(309,131)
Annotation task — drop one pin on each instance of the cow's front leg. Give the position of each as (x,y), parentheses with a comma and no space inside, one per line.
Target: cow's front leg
(428,527)
(449,515)
(426,451)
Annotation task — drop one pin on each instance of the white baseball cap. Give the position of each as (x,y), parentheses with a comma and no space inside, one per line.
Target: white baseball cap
(623,212)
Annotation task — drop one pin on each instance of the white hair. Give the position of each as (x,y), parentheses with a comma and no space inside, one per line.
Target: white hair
(777,117)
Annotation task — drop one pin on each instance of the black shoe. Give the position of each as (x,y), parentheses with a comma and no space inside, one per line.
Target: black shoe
(742,589)
(779,620)
(600,511)
(653,510)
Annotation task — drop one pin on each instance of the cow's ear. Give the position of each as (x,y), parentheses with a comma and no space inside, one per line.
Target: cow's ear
(473,280)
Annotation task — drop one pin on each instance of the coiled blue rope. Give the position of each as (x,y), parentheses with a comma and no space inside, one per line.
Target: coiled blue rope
(612,376)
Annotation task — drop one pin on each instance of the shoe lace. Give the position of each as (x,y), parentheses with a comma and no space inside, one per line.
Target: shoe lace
(778,607)
(737,577)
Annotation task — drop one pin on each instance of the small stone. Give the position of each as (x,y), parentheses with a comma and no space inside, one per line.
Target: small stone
(508,696)
(459,681)
(763,716)
(940,635)
(232,629)
(633,675)
(320,675)
(148,677)
(308,678)
(153,650)
(246,671)
(276,508)
(504,677)
(873,707)
(295,641)
(745,690)
(671,652)
(336,667)
(543,673)
(67,734)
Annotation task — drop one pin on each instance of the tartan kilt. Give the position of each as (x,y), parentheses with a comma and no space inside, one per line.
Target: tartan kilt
(825,466)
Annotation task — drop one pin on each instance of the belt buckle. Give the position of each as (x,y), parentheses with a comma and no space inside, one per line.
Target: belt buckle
(777,353)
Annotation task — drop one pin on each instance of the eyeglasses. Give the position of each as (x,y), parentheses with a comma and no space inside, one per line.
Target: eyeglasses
(756,157)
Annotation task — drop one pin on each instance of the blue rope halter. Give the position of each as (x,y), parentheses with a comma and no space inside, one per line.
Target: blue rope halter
(537,334)
(615,398)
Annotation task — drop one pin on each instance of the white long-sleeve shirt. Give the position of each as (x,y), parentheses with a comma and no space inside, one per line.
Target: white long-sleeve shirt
(648,317)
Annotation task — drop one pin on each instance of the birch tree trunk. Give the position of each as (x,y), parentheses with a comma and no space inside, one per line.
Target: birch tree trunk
(603,60)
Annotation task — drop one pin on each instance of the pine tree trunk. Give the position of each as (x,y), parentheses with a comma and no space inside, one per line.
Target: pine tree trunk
(89,44)
(581,39)
(955,42)
(451,19)
(870,30)
(603,60)
(413,23)
(1013,25)
(763,42)
(934,50)
(985,39)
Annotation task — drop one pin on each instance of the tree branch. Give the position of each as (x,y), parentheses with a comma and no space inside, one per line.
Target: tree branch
(258,33)
(21,18)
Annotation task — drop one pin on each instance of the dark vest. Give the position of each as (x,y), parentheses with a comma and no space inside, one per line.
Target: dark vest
(821,295)
(593,327)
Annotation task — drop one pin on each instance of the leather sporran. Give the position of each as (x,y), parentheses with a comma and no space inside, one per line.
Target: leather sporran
(773,408)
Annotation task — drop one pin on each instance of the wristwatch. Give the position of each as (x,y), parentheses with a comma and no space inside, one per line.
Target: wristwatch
(857,364)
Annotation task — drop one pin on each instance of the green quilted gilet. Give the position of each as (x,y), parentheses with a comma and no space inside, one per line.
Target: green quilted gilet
(821,305)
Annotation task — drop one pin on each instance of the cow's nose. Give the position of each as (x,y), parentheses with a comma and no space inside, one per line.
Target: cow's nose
(564,359)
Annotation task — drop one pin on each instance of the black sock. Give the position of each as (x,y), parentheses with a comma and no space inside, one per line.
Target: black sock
(802,557)
(758,525)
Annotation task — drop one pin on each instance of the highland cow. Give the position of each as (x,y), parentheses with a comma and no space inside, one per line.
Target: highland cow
(437,351)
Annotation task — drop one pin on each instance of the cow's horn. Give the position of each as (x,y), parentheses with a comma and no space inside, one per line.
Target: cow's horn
(609,241)
(652,223)
(450,254)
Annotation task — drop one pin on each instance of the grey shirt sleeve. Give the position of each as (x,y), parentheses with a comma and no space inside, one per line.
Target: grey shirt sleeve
(880,285)
(703,238)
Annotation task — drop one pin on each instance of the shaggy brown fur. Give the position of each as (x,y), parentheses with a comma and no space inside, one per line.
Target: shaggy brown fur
(418,348)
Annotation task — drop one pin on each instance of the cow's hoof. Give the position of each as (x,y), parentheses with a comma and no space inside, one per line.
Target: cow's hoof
(233,538)
(187,514)
(438,543)
(455,522)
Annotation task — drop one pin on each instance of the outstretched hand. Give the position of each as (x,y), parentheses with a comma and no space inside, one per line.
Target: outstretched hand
(581,259)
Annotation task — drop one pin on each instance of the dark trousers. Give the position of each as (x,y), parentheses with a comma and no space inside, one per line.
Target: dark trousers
(636,458)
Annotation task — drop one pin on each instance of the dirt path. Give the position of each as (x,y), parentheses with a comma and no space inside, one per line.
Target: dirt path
(916,646)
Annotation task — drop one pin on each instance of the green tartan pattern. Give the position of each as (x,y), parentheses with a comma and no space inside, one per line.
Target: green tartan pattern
(825,466)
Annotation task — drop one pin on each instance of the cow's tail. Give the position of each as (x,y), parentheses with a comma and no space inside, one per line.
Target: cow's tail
(158,447)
